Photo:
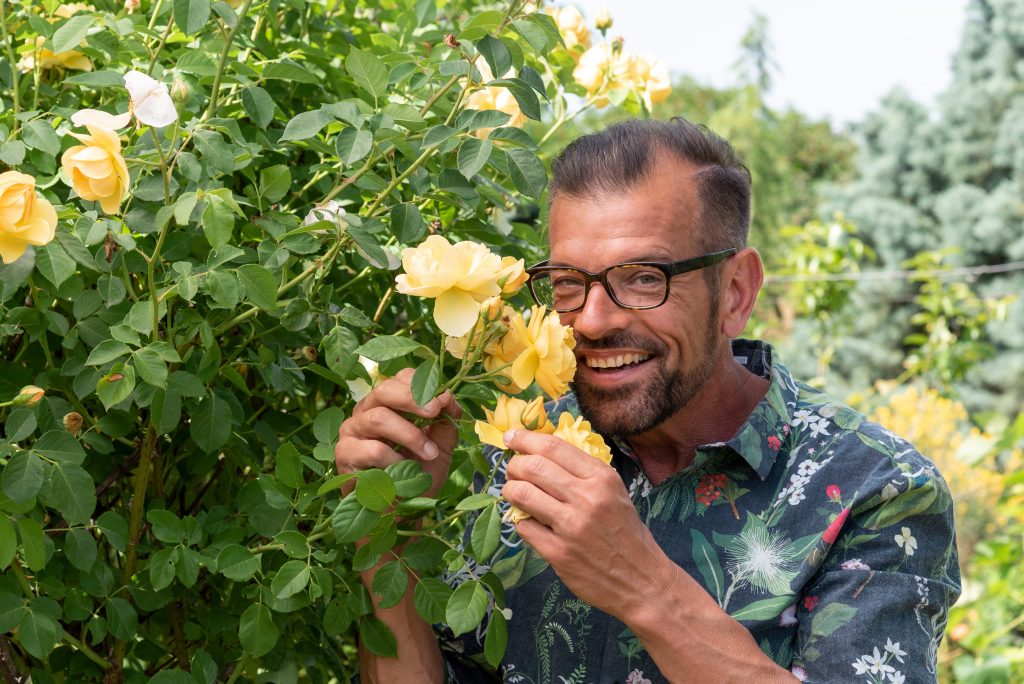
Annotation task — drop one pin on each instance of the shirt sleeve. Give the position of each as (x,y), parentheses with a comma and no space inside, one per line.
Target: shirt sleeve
(876,611)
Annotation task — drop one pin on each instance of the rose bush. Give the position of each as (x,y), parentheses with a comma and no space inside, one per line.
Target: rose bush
(232,185)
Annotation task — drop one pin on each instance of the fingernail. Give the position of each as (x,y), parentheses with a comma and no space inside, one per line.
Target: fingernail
(430,450)
(431,406)
(509,436)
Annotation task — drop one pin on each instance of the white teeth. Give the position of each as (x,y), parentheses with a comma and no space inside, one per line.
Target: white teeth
(616,361)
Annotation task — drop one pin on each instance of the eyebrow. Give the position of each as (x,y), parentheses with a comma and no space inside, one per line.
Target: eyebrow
(658,258)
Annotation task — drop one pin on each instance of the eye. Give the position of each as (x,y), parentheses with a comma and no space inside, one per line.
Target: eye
(565,282)
(646,278)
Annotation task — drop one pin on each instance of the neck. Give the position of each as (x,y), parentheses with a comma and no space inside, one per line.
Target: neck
(715,414)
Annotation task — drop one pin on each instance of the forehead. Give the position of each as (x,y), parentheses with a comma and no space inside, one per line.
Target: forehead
(654,220)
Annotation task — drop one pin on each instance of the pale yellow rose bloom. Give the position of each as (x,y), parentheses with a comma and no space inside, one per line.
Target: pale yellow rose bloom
(603,20)
(25,218)
(600,69)
(96,168)
(650,79)
(512,414)
(459,277)
(578,433)
(571,25)
(540,351)
(69,9)
(48,59)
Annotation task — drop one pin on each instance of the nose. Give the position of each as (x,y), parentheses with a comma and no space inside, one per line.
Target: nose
(599,316)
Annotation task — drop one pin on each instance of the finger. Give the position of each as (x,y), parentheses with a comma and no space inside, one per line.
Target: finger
(396,394)
(383,424)
(544,474)
(534,501)
(573,460)
(540,537)
(450,406)
(351,455)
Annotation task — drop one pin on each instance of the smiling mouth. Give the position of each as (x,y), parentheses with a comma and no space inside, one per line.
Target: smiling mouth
(614,363)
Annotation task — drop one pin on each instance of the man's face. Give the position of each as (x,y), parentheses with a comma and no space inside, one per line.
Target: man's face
(636,368)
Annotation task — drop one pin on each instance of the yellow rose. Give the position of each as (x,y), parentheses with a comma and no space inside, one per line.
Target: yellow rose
(540,351)
(578,433)
(600,69)
(512,414)
(71,8)
(650,79)
(96,169)
(48,59)
(25,218)
(460,277)
(571,25)
(512,276)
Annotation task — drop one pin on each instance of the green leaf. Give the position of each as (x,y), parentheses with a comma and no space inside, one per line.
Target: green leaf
(59,445)
(486,533)
(351,520)
(764,609)
(467,607)
(38,134)
(288,466)
(218,221)
(390,582)
(424,553)
(152,369)
(258,105)
(38,633)
(54,263)
(425,382)
(496,640)
(12,153)
(176,676)
(161,568)
(289,71)
(114,528)
(237,563)
(406,222)
(334,483)
(437,135)
(22,476)
(499,59)
(259,286)
(430,598)
(525,96)
(471,503)
(80,548)
(290,579)
(527,171)
(256,631)
(12,609)
(8,548)
(387,347)
(473,154)
(352,144)
(21,422)
(376,636)
(481,24)
(368,72)
(107,351)
(166,410)
(72,32)
(306,125)
(275,182)
(33,543)
(116,386)
(191,15)
(166,526)
(540,31)
(211,423)
(830,618)
(370,248)
(708,564)
(374,489)
(72,492)
(122,620)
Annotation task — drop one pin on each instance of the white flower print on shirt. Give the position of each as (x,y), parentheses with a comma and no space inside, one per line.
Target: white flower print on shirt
(906,540)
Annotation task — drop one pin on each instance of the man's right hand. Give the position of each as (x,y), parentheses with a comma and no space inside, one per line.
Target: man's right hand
(380,431)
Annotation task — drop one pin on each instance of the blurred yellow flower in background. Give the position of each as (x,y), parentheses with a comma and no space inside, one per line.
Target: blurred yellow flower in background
(96,168)
(459,277)
(571,25)
(69,9)
(512,414)
(540,351)
(25,218)
(606,67)
(48,59)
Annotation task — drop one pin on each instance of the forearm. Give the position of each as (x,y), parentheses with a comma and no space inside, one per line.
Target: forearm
(691,638)
(419,656)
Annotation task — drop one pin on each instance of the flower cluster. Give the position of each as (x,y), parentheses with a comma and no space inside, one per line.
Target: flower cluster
(710,488)
(606,67)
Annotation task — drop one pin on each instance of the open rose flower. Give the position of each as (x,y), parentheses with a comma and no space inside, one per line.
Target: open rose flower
(96,168)
(571,25)
(459,277)
(48,59)
(512,414)
(578,433)
(650,79)
(602,68)
(151,103)
(25,218)
(540,351)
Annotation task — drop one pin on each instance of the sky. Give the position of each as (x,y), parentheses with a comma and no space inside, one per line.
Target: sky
(836,59)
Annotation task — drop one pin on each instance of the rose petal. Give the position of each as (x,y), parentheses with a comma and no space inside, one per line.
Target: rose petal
(95,117)
(489,434)
(455,312)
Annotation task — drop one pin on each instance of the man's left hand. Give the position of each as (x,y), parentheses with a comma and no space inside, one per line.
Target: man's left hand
(584,524)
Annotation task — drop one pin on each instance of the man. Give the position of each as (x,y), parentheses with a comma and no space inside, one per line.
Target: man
(751,528)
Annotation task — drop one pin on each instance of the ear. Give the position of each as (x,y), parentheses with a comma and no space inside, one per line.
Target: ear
(742,276)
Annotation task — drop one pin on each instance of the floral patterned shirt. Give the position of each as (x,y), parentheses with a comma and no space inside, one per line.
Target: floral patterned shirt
(828,537)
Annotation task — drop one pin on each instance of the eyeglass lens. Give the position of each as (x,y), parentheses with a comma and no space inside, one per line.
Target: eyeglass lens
(630,284)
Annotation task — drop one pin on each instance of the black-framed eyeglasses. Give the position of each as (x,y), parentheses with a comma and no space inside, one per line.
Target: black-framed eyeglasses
(637,285)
